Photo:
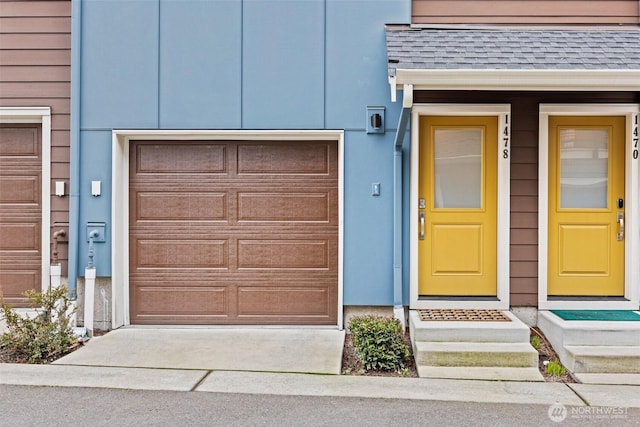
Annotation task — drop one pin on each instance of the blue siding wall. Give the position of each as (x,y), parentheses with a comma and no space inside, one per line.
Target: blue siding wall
(247,64)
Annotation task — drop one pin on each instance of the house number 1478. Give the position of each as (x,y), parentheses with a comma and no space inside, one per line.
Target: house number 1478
(505,138)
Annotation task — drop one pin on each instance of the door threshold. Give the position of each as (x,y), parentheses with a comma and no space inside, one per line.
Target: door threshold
(586,298)
(456,298)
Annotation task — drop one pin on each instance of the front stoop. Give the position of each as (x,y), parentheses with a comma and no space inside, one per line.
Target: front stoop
(474,350)
(598,352)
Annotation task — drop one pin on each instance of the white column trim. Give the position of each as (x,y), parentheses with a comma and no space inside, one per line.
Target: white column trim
(632,209)
(503,112)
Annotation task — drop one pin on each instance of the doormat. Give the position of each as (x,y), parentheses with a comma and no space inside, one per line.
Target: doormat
(460,315)
(601,315)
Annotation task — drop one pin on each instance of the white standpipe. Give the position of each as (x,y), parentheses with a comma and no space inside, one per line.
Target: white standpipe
(89,295)
(89,287)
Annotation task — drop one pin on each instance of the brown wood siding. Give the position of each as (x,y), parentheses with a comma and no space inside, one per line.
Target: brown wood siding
(35,61)
(233,232)
(524,171)
(587,12)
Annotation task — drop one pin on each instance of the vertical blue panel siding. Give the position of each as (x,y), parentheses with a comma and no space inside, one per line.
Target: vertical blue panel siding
(248,64)
(368,265)
(283,64)
(119,86)
(95,165)
(200,64)
(357,60)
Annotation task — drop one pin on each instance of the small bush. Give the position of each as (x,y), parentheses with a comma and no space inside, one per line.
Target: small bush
(47,334)
(555,368)
(379,342)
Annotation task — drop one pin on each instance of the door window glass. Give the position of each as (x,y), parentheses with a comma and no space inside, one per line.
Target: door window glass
(584,168)
(458,168)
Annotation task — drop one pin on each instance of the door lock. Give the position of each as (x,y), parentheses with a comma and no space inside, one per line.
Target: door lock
(620,226)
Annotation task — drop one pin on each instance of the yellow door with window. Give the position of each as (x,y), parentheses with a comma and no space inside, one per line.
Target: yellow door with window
(457,206)
(586,206)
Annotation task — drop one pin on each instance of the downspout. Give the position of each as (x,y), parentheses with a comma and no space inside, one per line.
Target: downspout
(405,114)
(74,149)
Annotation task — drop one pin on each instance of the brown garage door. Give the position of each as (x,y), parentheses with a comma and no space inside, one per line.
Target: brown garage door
(20,211)
(233,232)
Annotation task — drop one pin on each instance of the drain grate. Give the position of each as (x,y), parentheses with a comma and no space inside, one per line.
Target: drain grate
(460,315)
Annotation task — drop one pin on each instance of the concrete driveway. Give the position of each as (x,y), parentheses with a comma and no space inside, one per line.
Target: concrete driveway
(317,351)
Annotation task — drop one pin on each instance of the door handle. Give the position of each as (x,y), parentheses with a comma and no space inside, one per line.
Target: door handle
(621,226)
(421,235)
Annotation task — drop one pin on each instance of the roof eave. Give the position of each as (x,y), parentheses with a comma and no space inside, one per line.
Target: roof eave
(519,80)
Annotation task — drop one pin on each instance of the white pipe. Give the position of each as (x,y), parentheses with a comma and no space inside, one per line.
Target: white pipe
(89,295)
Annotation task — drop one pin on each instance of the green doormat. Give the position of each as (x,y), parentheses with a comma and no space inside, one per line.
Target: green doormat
(601,315)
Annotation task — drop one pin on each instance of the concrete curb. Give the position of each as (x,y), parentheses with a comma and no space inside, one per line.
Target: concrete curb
(515,392)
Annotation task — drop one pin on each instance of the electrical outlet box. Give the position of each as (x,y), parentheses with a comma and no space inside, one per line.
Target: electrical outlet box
(101,228)
(375,189)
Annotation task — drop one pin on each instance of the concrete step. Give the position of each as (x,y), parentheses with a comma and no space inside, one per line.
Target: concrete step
(480,373)
(603,359)
(459,331)
(617,379)
(572,332)
(495,354)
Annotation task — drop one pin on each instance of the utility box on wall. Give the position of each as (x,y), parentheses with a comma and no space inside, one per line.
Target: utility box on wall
(375,119)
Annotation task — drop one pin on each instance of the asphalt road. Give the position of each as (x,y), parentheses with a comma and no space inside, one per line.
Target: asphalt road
(56,406)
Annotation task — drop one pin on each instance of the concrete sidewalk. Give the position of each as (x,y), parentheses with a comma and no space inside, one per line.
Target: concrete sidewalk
(274,361)
(200,380)
(301,350)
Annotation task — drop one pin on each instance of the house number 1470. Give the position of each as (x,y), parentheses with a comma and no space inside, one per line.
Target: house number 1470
(635,137)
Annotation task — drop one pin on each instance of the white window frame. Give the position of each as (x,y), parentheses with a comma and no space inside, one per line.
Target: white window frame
(42,116)
(120,198)
(632,194)
(503,113)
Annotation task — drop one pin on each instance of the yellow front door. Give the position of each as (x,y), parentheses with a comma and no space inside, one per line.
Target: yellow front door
(586,206)
(457,206)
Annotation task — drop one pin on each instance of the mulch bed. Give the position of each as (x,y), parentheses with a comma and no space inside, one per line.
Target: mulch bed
(351,365)
(546,353)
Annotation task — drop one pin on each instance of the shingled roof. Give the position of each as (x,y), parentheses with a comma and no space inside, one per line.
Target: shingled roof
(511,49)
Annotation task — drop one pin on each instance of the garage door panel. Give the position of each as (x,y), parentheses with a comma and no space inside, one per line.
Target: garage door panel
(186,301)
(172,254)
(19,142)
(287,158)
(23,191)
(181,206)
(24,237)
(171,158)
(16,280)
(310,300)
(285,254)
(253,242)
(286,207)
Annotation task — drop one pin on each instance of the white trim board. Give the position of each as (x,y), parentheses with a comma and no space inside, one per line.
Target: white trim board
(632,196)
(502,111)
(120,198)
(517,80)
(40,115)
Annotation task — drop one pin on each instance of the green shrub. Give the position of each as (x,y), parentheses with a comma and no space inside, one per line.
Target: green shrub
(536,342)
(555,368)
(47,334)
(379,342)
